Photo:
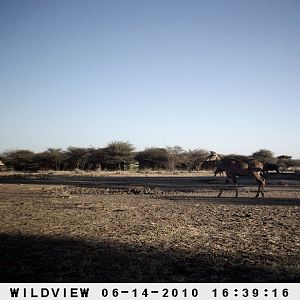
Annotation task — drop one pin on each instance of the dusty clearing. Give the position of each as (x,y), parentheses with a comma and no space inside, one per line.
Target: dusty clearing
(147,229)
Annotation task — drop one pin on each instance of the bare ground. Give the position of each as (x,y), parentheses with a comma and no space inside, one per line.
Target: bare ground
(147,229)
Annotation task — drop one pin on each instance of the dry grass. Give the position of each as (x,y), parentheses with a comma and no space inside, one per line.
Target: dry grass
(78,172)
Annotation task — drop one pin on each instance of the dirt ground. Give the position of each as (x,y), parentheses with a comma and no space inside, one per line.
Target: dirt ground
(76,228)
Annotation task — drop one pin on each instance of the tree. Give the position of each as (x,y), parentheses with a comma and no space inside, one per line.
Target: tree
(284,157)
(196,158)
(153,158)
(117,154)
(176,157)
(76,158)
(265,156)
(53,159)
(20,160)
(94,158)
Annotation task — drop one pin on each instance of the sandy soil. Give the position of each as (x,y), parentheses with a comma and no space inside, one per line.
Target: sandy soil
(147,229)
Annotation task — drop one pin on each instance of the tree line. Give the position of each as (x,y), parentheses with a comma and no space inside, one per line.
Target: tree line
(122,156)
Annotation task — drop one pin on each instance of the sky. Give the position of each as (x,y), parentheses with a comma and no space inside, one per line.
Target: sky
(216,75)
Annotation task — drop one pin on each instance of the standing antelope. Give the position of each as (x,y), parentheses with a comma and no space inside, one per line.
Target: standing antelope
(234,168)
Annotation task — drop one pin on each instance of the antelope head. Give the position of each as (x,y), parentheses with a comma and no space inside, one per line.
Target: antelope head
(213,156)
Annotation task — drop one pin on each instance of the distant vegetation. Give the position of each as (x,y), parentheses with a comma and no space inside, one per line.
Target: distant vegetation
(122,156)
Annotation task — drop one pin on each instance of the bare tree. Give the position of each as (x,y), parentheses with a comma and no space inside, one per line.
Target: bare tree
(196,158)
(176,157)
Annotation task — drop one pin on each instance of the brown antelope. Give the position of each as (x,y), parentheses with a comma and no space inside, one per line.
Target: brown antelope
(234,168)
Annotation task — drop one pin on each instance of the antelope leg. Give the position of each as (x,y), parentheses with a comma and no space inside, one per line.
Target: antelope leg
(221,189)
(263,187)
(236,186)
(257,194)
(220,193)
(261,184)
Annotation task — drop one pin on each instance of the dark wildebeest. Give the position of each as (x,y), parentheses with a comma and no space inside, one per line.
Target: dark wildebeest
(234,168)
(271,167)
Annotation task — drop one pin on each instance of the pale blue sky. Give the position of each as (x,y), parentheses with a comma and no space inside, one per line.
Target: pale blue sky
(218,75)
